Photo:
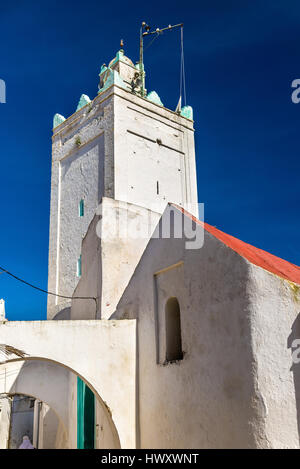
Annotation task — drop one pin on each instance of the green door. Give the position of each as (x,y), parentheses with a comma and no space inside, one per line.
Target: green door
(85,416)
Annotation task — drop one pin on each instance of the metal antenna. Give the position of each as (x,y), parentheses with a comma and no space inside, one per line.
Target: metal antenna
(145,31)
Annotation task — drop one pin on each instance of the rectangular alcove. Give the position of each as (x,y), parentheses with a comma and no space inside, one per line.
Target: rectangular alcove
(169,294)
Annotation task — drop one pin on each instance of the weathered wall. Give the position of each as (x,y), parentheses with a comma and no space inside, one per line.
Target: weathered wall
(81,178)
(90,283)
(61,441)
(275,325)
(5,413)
(154,154)
(48,427)
(100,352)
(78,172)
(72,411)
(120,146)
(208,399)
(111,251)
(43,380)
(104,437)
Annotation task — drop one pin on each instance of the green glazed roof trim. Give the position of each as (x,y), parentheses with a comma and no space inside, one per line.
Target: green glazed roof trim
(84,99)
(103,69)
(187,111)
(58,119)
(154,98)
(112,78)
(118,57)
(120,54)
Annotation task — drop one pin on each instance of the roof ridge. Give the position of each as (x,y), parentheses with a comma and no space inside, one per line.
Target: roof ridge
(256,256)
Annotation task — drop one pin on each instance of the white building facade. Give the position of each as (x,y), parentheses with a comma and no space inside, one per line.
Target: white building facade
(163,332)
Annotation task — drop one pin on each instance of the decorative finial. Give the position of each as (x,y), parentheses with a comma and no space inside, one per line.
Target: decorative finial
(121,43)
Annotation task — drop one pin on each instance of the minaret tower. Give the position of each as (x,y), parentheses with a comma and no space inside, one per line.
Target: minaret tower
(120,145)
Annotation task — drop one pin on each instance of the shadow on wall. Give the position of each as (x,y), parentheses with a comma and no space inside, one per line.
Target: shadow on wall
(295,368)
(64,314)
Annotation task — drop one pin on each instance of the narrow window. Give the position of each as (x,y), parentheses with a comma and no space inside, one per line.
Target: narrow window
(79,267)
(173,331)
(157,187)
(81,208)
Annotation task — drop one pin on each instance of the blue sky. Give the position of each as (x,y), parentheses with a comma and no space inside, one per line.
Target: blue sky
(240,56)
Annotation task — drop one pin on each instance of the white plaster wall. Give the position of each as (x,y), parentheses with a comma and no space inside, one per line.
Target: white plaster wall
(48,427)
(61,441)
(275,324)
(111,251)
(90,283)
(43,380)
(78,172)
(5,413)
(118,157)
(141,162)
(56,387)
(207,400)
(81,178)
(104,437)
(72,411)
(100,352)
(122,252)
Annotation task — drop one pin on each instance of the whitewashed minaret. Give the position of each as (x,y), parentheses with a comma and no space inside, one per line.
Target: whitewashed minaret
(120,145)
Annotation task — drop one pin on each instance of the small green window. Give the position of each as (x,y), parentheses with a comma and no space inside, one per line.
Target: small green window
(79,267)
(81,208)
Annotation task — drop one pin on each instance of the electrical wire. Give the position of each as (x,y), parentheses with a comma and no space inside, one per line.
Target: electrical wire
(157,33)
(47,292)
(150,43)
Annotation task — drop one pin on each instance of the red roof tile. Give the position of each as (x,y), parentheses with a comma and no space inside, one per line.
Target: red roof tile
(256,256)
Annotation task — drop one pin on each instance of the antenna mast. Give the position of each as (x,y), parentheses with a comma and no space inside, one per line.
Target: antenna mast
(145,31)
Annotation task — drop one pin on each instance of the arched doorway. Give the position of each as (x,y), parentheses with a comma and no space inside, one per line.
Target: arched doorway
(21,419)
(83,415)
(25,415)
(85,348)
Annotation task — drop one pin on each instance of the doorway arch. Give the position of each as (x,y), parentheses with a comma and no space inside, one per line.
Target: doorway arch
(101,352)
(35,418)
(52,382)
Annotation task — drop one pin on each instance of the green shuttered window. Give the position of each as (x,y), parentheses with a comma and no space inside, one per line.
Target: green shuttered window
(85,416)
(81,208)
(79,268)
